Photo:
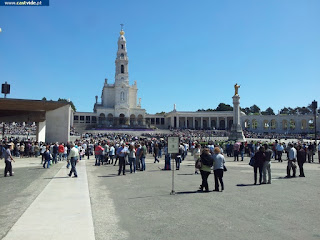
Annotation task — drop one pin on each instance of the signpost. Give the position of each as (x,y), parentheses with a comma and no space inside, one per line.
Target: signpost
(173,148)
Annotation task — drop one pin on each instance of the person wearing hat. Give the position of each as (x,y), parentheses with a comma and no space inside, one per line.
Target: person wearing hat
(7,159)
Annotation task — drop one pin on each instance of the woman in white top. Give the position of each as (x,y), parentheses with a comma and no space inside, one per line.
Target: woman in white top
(132,158)
(196,155)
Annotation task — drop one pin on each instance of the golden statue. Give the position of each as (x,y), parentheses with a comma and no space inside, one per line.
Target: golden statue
(236,87)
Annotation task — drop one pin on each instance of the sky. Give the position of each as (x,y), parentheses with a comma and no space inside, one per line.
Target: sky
(188,53)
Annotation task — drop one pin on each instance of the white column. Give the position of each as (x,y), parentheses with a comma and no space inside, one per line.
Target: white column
(218,123)
(178,122)
(186,122)
(172,121)
(41,131)
(201,124)
(209,122)
(194,122)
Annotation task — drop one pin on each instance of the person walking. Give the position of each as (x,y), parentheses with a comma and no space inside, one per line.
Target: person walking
(242,150)
(47,157)
(156,153)
(259,159)
(236,149)
(267,165)
(143,154)
(301,157)
(291,161)
(121,152)
(8,159)
(73,158)
(218,167)
(205,170)
(111,153)
(279,149)
(196,155)
(132,158)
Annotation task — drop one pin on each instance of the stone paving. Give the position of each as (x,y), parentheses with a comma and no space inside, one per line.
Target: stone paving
(42,203)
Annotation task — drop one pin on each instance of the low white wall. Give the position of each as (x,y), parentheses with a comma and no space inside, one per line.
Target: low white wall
(41,131)
(58,124)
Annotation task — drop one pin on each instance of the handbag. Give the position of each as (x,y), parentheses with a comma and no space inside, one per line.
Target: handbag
(224,168)
(198,163)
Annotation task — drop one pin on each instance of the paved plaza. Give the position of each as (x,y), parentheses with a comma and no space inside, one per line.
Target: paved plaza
(39,203)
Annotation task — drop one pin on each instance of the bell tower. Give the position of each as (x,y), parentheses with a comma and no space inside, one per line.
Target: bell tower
(122,75)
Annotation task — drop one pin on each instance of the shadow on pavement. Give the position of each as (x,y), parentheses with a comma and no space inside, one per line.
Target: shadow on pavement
(111,175)
(150,196)
(185,174)
(56,177)
(190,192)
(246,185)
(285,177)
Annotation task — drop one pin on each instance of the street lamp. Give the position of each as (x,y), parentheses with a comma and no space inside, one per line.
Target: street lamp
(314,108)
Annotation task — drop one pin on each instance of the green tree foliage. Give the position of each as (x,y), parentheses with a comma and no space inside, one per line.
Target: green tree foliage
(254,109)
(160,113)
(246,110)
(268,111)
(224,107)
(208,110)
(71,103)
(44,99)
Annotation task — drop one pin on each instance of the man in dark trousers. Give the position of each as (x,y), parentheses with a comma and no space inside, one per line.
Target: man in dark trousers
(121,152)
(7,159)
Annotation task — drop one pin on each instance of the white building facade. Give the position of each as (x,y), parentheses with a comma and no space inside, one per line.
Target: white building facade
(118,106)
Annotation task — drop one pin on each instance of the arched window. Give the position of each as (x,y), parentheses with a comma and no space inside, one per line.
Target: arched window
(273,124)
(247,124)
(122,68)
(292,124)
(254,124)
(121,46)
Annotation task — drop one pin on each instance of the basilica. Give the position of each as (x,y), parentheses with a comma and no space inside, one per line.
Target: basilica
(118,107)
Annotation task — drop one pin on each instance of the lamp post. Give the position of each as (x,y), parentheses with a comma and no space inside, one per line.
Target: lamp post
(314,107)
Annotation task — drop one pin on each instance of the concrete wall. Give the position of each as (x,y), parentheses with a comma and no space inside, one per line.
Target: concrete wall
(41,131)
(58,124)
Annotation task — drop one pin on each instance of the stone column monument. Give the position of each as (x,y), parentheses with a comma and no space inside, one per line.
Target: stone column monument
(236,129)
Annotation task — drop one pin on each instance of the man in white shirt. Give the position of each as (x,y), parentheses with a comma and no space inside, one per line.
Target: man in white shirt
(292,161)
(73,158)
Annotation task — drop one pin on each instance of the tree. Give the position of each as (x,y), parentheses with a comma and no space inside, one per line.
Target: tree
(246,110)
(71,103)
(268,111)
(254,109)
(224,107)
(160,113)
(284,110)
(44,99)
(303,110)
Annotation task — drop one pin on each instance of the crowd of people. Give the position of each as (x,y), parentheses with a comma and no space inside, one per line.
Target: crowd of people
(18,128)
(128,149)
(249,134)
